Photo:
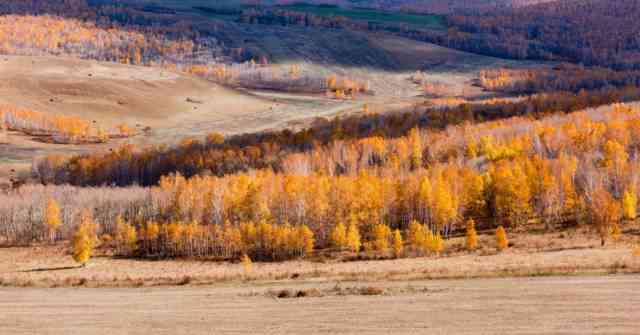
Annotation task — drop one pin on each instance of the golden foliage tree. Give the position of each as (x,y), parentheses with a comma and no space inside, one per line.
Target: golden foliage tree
(416,235)
(512,193)
(416,148)
(502,242)
(615,231)
(471,242)
(126,237)
(444,205)
(605,213)
(381,237)
(52,220)
(629,205)
(398,243)
(84,239)
(339,236)
(353,237)
(308,239)
(433,243)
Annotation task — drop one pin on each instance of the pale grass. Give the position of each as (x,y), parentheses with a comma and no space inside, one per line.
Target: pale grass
(531,255)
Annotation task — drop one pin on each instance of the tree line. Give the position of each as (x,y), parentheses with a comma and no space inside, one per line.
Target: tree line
(219,156)
(580,168)
(565,77)
(593,32)
(58,128)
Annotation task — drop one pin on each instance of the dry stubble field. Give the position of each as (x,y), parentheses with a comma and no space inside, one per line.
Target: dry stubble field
(546,305)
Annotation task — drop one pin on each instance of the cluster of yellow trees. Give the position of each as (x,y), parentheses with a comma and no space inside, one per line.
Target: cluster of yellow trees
(343,88)
(500,78)
(259,241)
(289,78)
(501,173)
(62,129)
(85,238)
(35,35)
(369,194)
(262,241)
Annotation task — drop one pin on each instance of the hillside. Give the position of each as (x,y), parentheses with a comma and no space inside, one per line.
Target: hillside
(319,166)
(164,106)
(167,97)
(592,32)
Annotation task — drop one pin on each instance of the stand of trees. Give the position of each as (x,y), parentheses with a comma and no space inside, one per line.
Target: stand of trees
(581,167)
(58,128)
(216,156)
(591,32)
(563,77)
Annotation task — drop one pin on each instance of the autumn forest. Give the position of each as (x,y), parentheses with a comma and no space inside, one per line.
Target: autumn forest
(557,146)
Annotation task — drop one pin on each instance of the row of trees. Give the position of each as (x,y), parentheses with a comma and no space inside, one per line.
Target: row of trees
(563,77)
(433,6)
(290,78)
(580,167)
(218,156)
(58,128)
(593,32)
(47,35)
(259,242)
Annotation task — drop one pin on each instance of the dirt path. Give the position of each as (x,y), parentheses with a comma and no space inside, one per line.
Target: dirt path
(554,305)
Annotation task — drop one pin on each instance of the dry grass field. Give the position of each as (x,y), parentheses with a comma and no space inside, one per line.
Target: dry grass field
(554,283)
(561,253)
(550,305)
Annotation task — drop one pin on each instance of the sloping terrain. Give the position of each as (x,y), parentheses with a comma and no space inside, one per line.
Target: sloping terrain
(172,105)
(113,93)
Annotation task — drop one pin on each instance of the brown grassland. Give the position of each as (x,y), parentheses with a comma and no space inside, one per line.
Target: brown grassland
(550,305)
(572,251)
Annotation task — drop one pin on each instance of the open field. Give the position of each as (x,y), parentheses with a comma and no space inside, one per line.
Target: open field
(571,252)
(554,305)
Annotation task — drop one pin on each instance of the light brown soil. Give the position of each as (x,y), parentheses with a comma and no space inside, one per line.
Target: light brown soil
(552,305)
